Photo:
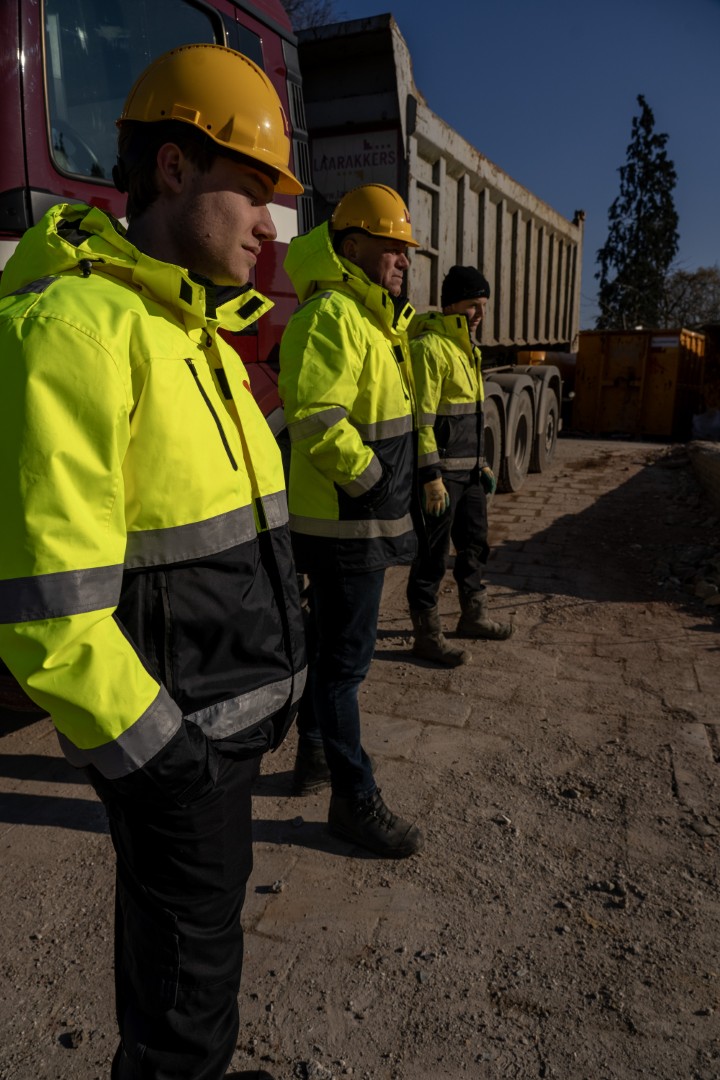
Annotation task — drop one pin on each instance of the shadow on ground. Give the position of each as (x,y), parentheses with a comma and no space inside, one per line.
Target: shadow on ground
(642,541)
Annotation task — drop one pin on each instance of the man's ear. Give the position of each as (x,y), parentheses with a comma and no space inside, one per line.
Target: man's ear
(171,168)
(349,247)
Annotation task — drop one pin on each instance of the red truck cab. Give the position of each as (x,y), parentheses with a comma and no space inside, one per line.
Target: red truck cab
(67,66)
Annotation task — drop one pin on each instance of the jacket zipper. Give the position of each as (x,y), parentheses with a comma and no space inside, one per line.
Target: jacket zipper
(211,407)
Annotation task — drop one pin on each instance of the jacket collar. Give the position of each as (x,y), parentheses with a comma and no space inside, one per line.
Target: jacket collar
(454,327)
(82,238)
(313,266)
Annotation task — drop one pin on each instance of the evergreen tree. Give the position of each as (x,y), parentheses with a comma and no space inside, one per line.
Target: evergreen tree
(642,234)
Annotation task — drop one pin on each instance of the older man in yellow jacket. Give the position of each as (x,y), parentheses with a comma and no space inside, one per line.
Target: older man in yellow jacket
(347,390)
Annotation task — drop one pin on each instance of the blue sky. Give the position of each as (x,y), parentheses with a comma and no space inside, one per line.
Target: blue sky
(547,90)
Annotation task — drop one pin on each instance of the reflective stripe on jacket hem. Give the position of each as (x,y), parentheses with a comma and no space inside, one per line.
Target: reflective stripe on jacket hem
(227,718)
(351,530)
(56,595)
(367,479)
(153,547)
(136,746)
(459,464)
(384,429)
(458,408)
(178,543)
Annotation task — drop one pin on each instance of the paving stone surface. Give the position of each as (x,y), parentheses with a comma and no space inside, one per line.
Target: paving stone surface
(563,918)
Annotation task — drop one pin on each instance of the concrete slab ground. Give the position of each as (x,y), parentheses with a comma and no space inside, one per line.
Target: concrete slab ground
(563,918)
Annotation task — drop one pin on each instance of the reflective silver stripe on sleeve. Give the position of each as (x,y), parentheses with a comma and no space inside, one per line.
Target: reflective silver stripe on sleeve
(53,596)
(427,419)
(38,286)
(384,429)
(459,464)
(276,509)
(365,480)
(276,421)
(177,543)
(136,746)
(317,423)
(312,299)
(351,530)
(458,408)
(227,718)
(432,458)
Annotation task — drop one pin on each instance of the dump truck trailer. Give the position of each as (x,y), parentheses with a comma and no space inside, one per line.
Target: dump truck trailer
(368,122)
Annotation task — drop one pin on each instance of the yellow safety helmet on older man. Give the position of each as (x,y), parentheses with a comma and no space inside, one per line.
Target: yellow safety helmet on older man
(376,209)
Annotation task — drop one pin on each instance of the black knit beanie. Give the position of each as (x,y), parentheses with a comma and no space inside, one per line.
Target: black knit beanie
(463,283)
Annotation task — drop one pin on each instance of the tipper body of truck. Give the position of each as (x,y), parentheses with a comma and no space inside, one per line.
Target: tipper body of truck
(368,122)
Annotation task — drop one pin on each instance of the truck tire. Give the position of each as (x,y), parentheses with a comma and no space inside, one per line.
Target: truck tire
(546,436)
(519,445)
(492,435)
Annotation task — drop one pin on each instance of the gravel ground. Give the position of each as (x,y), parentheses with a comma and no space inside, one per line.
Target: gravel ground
(562,921)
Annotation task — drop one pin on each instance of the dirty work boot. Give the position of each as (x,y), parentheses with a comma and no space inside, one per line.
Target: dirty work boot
(311,772)
(430,642)
(475,622)
(369,823)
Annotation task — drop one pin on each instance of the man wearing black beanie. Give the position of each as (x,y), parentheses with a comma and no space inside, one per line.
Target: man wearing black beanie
(454,479)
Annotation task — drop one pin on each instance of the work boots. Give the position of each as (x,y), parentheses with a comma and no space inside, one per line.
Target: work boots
(311,772)
(369,823)
(475,622)
(430,642)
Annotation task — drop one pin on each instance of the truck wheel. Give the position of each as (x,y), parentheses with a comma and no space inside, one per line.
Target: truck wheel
(492,436)
(519,447)
(546,437)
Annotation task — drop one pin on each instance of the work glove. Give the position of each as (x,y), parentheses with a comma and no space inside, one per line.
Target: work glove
(487,479)
(435,499)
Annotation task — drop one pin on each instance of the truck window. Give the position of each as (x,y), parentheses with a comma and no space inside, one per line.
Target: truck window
(94,51)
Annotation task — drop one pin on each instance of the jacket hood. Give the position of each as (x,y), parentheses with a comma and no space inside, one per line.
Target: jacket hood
(84,240)
(311,263)
(313,266)
(454,327)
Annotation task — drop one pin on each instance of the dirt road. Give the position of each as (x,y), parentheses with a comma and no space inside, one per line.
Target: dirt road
(564,919)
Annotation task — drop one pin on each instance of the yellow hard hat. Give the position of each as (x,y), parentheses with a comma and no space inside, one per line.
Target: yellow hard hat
(378,210)
(223,94)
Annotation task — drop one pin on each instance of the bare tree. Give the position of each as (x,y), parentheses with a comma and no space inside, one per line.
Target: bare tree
(304,14)
(692,299)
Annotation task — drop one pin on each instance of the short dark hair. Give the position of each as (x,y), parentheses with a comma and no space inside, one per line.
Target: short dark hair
(339,237)
(138,145)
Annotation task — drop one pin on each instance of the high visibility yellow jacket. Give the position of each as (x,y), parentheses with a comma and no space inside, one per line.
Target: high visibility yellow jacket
(450,393)
(145,552)
(346,385)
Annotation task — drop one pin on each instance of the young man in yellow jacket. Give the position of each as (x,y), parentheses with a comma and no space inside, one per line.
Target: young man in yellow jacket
(454,477)
(347,390)
(149,601)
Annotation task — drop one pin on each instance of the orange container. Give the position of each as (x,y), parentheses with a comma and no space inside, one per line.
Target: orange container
(638,382)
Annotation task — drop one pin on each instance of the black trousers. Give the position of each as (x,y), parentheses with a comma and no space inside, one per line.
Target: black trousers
(344,614)
(466,524)
(180,888)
